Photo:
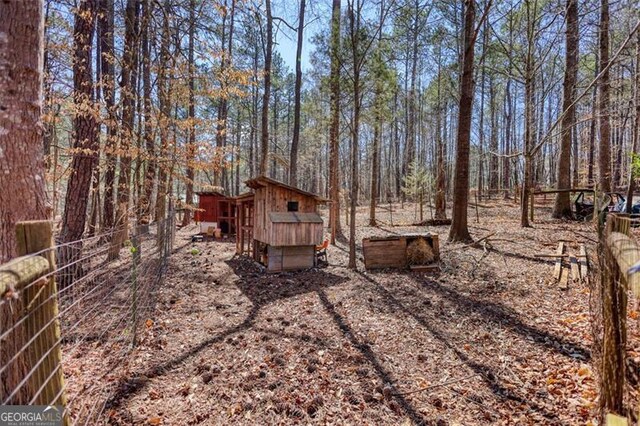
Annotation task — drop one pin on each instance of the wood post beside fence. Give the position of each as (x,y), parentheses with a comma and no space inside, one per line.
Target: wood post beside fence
(40,304)
(620,253)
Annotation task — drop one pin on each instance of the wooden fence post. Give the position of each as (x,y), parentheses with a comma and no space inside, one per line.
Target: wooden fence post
(41,311)
(620,253)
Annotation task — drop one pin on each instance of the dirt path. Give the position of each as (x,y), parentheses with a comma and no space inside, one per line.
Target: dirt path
(490,340)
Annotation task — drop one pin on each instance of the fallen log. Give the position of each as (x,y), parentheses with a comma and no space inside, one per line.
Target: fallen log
(433,222)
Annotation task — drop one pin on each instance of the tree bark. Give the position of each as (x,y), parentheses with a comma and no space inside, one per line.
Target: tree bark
(164,120)
(191,114)
(106,37)
(21,158)
(127,86)
(635,130)
(529,113)
(440,198)
(334,129)
(295,141)
(459,230)
(562,206)
(264,143)
(377,128)
(604,159)
(354,26)
(85,131)
(223,106)
(151,166)
(410,148)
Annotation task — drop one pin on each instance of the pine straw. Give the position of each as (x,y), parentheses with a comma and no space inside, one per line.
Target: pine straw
(419,252)
(490,342)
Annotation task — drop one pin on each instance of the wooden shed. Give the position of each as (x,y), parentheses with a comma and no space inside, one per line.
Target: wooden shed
(216,210)
(286,225)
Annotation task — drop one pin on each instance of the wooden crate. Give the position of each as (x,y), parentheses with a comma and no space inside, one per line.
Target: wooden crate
(391,252)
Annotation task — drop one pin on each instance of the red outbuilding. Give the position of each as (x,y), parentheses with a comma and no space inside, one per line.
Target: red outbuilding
(216,210)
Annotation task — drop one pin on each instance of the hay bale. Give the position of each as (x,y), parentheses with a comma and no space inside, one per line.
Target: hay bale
(419,252)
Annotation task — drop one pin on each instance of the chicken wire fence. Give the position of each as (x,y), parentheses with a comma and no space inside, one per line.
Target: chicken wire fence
(71,313)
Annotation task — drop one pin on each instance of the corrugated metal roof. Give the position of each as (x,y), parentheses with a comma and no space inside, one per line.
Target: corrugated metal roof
(294,217)
(215,193)
(262,181)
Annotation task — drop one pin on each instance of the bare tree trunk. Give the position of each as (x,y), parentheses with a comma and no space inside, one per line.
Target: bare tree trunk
(253,148)
(223,107)
(191,143)
(459,230)
(85,129)
(293,170)
(440,199)
(264,144)
(410,147)
(529,113)
(22,161)
(506,162)
(604,159)
(493,142)
(150,171)
(562,206)
(354,27)
(237,151)
(636,128)
(94,206)
(164,120)
(106,37)
(129,62)
(377,130)
(334,129)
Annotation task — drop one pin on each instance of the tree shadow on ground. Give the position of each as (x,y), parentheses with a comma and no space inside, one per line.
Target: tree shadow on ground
(519,256)
(370,355)
(261,290)
(485,372)
(504,316)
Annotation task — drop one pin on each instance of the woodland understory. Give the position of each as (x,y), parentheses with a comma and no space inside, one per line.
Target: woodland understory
(115,114)
(490,340)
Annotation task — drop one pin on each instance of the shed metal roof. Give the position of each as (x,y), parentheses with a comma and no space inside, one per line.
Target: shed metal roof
(294,217)
(262,181)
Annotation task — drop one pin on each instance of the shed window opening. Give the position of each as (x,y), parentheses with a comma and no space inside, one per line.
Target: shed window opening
(292,206)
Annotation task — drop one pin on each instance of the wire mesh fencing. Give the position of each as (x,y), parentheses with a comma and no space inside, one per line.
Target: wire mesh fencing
(71,313)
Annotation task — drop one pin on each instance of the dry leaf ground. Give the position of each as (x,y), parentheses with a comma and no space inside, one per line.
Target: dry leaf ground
(491,340)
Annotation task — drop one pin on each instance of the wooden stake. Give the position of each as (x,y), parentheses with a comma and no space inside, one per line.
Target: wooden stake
(575,271)
(583,260)
(47,379)
(564,279)
(557,271)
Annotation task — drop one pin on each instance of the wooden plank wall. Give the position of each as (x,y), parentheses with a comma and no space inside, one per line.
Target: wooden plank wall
(385,253)
(391,252)
(210,205)
(273,198)
(295,234)
(290,258)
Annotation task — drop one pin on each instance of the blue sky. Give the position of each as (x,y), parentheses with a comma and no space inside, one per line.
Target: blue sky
(317,14)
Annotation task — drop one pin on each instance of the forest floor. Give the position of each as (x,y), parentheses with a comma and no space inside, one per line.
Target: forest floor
(490,340)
